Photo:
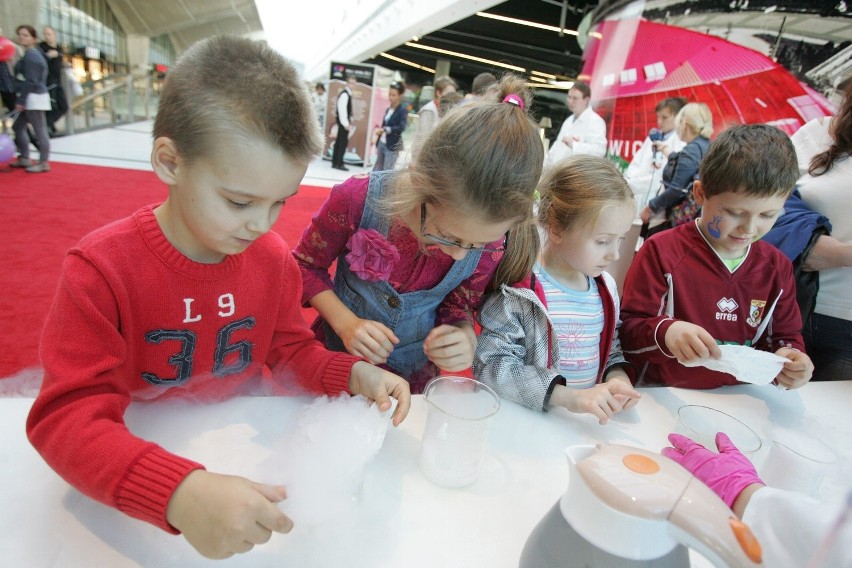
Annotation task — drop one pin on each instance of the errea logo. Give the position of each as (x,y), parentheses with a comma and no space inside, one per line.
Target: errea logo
(727,307)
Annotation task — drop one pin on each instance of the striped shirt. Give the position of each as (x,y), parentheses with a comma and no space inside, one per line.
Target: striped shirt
(578,320)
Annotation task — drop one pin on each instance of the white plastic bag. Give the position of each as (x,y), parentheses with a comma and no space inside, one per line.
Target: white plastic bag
(74,86)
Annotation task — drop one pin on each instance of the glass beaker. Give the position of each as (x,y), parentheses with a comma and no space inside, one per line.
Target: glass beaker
(701,423)
(797,461)
(456,429)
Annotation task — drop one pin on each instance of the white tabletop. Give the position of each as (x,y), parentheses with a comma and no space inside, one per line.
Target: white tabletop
(401,519)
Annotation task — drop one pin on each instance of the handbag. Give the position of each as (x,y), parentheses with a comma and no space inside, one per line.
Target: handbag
(685,211)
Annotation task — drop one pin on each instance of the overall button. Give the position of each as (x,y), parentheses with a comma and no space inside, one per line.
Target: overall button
(393,302)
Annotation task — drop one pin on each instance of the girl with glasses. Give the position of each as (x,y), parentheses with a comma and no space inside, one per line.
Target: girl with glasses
(552,339)
(416,249)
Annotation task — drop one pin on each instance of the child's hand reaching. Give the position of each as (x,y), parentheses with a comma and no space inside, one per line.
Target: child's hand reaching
(451,347)
(369,339)
(629,399)
(690,342)
(797,372)
(599,400)
(379,385)
(221,515)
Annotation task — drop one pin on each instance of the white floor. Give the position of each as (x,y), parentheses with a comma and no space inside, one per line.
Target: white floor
(129,146)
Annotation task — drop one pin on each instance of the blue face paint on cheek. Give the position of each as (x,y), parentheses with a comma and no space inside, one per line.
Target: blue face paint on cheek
(713,227)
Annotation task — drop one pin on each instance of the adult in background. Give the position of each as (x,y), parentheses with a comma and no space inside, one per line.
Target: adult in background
(428,117)
(480,84)
(32,102)
(320,99)
(390,132)
(644,174)
(58,101)
(343,115)
(584,132)
(823,147)
(694,126)
(7,83)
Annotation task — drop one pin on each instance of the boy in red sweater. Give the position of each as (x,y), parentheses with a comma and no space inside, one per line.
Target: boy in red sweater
(713,281)
(193,296)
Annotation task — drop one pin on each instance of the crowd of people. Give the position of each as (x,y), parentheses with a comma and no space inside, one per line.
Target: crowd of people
(33,95)
(403,266)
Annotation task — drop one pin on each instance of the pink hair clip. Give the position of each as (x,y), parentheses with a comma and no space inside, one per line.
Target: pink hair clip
(514,99)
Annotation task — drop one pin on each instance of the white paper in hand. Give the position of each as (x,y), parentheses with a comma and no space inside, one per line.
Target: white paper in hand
(746,364)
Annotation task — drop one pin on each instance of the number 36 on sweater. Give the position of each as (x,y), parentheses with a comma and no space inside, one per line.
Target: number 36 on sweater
(183,359)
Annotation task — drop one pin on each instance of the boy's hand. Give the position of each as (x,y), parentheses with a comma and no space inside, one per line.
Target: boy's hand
(797,372)
(599,400)
(378,385)
(627,401)
(451,347)
(221,515)
(690,342)
(369,339)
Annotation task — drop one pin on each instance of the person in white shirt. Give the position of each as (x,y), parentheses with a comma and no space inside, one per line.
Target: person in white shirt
(344,122)
(428,117)
(584,132)
(823,147)
(644,174)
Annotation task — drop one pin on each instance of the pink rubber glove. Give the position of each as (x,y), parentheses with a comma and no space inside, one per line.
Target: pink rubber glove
(726,473)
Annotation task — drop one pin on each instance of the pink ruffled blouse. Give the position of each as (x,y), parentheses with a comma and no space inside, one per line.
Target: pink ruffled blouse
(326,237)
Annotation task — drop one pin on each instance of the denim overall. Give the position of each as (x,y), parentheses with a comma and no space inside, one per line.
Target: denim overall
(411,315)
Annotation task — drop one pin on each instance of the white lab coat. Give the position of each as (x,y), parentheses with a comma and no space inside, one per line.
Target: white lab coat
(590,130)
(792,528)
(641,175)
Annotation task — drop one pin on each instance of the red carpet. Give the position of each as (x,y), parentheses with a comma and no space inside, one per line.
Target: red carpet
(42,216)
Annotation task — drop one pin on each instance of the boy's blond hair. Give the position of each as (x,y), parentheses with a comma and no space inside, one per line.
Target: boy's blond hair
(227,86)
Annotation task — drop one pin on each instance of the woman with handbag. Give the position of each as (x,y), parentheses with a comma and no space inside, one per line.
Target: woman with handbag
(33,101)
(694,125)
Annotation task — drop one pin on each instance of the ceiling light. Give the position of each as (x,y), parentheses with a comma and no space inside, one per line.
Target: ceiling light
(538,79)
(556,29)
(542,74)
(406,62)
(465,56)
(546,86)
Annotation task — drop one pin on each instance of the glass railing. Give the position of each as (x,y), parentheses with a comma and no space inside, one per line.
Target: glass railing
(113,100)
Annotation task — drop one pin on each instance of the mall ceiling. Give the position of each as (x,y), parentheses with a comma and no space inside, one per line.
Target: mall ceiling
(560,54)
(187,21)
(503,43)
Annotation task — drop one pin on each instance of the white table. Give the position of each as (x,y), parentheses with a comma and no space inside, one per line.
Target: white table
(402,519)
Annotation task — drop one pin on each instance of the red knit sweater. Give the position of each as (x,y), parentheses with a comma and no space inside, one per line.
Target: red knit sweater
(135,319)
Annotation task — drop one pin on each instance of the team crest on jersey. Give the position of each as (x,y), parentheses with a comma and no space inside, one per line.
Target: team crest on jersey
(755,312)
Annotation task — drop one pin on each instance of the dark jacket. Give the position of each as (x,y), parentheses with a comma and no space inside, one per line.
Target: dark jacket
(681,170)
(33,67)
(794,233)
(394,126)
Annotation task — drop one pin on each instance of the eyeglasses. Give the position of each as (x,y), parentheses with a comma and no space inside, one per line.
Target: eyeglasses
(448,243)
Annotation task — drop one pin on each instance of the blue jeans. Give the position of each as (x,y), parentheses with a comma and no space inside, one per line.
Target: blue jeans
(829,344)
(386,158)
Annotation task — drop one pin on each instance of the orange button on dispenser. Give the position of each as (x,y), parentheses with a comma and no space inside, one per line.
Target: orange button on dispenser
(640,463)
(747,540)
